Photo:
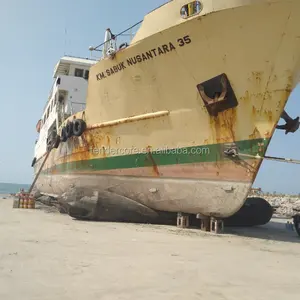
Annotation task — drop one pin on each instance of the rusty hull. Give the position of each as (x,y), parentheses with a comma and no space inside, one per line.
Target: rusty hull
(261,72)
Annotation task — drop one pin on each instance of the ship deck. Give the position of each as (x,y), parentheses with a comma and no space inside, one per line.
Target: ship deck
(49,255)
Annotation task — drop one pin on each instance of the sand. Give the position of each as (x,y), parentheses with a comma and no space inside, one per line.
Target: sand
(50,256)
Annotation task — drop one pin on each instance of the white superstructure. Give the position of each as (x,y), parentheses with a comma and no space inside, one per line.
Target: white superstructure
(67,96)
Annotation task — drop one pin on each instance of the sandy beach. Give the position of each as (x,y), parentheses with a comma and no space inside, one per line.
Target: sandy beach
(50,256)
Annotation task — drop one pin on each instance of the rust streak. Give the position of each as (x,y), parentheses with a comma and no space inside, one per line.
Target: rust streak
(223,126)
(108,140)
(155,168)
(255,135)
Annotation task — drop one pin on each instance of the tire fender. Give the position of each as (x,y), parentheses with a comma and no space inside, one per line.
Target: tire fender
(63,137)
(79,127)
(69,129)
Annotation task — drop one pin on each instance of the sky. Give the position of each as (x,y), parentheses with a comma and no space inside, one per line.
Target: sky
(36,33)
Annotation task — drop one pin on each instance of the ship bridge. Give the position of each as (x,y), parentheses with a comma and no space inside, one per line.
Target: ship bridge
(67,96)
(73,66)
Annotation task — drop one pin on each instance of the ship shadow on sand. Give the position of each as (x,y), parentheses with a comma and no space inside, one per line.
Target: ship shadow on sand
(275,230)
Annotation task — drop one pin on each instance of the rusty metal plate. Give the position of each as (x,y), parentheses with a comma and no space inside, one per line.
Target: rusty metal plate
(217,94)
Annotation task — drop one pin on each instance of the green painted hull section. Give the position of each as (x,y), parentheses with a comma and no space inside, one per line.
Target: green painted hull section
(189,155)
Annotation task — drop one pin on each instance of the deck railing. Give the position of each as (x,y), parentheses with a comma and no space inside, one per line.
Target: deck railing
(81,107)
(122,38)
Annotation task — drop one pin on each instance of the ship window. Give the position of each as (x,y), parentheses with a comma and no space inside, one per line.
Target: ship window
(191,9)
(55,99)
(86,74)
(78,72)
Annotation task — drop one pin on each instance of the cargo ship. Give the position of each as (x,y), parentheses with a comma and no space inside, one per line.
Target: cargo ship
(177,119)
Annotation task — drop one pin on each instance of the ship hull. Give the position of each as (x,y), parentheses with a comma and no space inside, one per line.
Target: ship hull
(255,44)
(211,198)
(204,185)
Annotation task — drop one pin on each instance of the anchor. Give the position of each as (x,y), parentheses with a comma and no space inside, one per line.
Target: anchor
(291,125)
(217,94)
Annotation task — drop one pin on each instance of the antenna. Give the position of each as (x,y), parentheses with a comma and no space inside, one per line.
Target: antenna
(66,35)
(65,40)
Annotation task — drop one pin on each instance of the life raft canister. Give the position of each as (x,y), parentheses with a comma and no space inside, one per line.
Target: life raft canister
(79,127)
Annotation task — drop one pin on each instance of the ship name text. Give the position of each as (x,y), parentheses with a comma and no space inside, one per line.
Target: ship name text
(148,55)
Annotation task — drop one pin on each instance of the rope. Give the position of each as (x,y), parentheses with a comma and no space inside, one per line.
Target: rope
(273,158)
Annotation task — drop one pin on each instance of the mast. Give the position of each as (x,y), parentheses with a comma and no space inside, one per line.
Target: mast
(109,47)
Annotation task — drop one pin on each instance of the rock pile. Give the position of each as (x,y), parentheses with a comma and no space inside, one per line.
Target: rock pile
(286,205)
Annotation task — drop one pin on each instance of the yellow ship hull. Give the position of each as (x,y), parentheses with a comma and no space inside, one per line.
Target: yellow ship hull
(153,138)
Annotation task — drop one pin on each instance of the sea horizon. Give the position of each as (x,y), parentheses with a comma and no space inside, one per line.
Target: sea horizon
(12,188)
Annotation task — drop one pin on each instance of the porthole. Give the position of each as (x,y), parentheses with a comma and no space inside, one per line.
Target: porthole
(191,9)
